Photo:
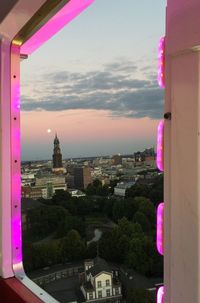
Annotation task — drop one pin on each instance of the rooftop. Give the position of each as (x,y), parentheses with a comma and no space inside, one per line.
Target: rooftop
(99,266)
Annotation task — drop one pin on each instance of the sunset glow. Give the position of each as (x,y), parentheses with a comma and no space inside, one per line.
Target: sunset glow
(89,127)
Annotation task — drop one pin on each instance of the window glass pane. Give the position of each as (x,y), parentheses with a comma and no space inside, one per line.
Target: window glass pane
(107,282)
(99,294)
(90,108)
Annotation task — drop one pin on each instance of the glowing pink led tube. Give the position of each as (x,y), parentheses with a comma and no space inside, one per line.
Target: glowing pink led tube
(15,157)
(160,295)
(56,23)
(160,228)
(160,146)
(161,63)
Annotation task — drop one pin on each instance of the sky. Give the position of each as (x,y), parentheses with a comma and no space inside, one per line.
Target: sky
(95,84)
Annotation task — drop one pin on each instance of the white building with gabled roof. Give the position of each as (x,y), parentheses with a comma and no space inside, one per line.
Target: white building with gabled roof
(100,283)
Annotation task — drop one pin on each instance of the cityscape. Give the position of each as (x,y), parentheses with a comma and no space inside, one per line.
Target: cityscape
(89,183)
(98,201)
(89,226)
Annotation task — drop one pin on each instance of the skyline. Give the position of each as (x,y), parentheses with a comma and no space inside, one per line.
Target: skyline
(98,99)
(95,155)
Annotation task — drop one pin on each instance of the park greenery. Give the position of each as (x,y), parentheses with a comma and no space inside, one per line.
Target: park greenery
(139,296)
(57,230)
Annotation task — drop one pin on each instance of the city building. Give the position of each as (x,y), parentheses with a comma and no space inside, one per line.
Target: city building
(150,157)
(31,192)
(100,282)
(139,157)
(145,158)
(27,178)
(49,184)
(120,189)
(44,186)
(76,193)
(70,180)
(57,157)
(117,159)
(82,177)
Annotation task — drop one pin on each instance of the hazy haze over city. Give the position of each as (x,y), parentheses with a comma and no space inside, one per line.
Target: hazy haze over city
(95,84)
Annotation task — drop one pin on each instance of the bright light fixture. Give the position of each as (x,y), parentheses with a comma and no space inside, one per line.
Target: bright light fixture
(160,228)
(160,146)
(160,295)
(161,63)
(72,9)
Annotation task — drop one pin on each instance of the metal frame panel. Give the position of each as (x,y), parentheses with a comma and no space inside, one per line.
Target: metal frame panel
(66,14)
(10,182)
(6,8)
(182,153)
(15,159)
(16,230)
(19,15)
(5,161)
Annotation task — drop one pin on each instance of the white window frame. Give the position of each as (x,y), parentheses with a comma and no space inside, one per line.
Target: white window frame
(91,297)
(100,295)
(107,282)
(10,177)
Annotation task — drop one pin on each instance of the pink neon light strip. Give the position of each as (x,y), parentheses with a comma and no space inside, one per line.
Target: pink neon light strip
(160,146)
(161,63)
(160,228)
(55,24)
(160,295)
(15,152)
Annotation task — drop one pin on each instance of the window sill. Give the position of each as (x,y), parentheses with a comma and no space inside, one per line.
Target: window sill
(12,290)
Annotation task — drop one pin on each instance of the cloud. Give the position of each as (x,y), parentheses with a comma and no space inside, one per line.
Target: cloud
(115,88)
(122,65)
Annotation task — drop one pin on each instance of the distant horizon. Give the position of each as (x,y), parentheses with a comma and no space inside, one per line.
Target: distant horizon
(95,83)
(91,156)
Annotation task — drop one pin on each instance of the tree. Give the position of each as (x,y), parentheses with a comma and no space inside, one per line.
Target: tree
(118,210)
(91,251)
(96,188)
(143,257)
(153,192)
(83,206)
(72,247)
(90,190)
(44,220)
(140,218)
(139,296)
(112,184)
(113,246)
(156,193)
(148,209)
(102,191)
(138,190)
(71,222)
(40,255)
(108,207)
(61,198)
(126,227)
(137,257)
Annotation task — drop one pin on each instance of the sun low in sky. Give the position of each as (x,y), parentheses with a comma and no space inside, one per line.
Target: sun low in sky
(95,83)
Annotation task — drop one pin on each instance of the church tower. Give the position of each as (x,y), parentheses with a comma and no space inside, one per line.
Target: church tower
(57,156)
